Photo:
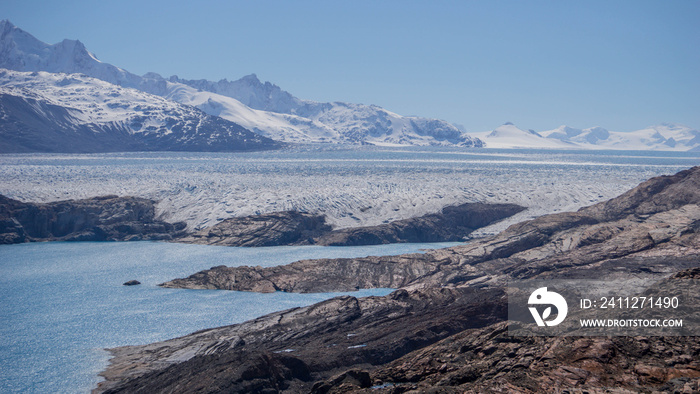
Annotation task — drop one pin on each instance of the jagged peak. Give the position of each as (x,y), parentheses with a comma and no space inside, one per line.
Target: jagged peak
(75,45)
(8,30)
(152,75)
(5,24)
(253,78)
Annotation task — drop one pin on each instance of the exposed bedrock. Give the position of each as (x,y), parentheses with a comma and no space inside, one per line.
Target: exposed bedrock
(451,337)
(289,350)
(107,218)
(452,223)
(270,229)
(309,276)
(443,330)
(490,360)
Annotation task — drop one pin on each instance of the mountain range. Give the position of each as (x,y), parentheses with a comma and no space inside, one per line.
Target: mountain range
(85,105)
(52,112)
(263,108)
(666,136)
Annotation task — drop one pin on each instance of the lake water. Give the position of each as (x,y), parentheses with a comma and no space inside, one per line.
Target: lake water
(63,303)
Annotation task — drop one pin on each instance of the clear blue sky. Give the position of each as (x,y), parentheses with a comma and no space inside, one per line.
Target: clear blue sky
(622,65)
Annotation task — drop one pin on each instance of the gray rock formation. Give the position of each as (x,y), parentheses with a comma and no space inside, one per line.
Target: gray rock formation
(442,328)
(271,229)
(287,350)
(452,223)
(107,218)
(313,276)
(490,360)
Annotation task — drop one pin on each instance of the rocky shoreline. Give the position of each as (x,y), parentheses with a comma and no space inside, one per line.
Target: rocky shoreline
(445,326)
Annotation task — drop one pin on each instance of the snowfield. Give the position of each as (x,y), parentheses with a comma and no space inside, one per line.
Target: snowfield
(665,136)
(96,101)
(353,186)
(52,112)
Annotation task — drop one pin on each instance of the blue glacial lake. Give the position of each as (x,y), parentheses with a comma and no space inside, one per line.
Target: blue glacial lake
(63,303)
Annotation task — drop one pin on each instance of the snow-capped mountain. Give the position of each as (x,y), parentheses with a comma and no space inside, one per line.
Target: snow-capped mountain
(55,112)
(249,91)
(270,110)
(508,136)
(277,126)
(338,121)
(20,51)
(587,136)
(666,136)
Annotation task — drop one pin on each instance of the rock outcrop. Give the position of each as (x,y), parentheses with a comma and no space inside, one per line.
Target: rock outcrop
(490,360)
(452,223)
(443,330)
(271,229)
(107,218)
(289,350)
(313,276)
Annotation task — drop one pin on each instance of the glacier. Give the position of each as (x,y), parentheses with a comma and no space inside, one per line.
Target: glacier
(352,185)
